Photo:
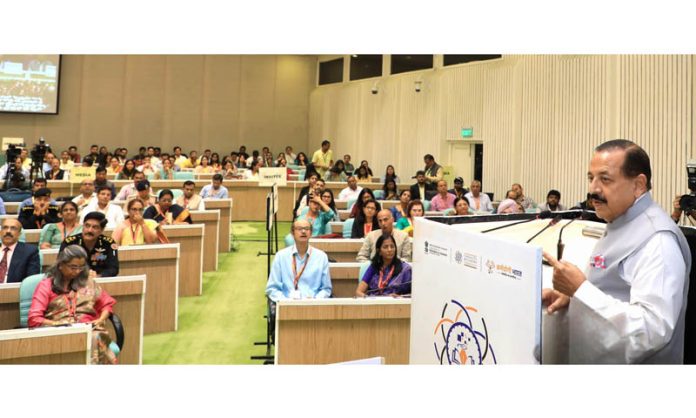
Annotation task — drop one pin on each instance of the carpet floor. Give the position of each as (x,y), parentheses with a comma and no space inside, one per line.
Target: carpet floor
(221,326)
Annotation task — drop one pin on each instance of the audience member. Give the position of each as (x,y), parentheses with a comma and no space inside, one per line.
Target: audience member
(323,158)
(390,190)
(39,183)
(553,197)
(363,176)
(301,159)
(527,202)
(66,163)
(166,212)
(299,271)
(510,206)
(101,181)
(364,195)
(143,191)
(458,190)
(311,178)
(289,155)
(387,274)
(433,172)
(366,220)
(348,167)
(418,190)
(128,171)
(53,234)
(204,166)
(102,204)
(443,200)
(318,214)
(337,172)
(39,213)
(253,173)
(166,172)
(69,295)
(102,251)
(415,209)
(365,164)
(86,195)
(55,172)
(352,191)
(215,190)
(17,259)
(479,202)
(461,206)
(136,230)
(401,210)
(190,199)
(391,174)
(386,227)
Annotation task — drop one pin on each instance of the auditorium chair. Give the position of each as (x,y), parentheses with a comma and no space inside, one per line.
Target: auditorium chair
(379,194)
(184,175)
(348,228)
(26,293)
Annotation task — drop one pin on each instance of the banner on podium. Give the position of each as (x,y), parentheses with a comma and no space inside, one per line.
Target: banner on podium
(476,298)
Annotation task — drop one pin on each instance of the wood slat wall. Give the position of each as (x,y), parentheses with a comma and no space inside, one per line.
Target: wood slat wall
(538,116)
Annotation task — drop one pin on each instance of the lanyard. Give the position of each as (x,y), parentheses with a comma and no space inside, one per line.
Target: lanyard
(294,268)
(383,283)
(134,232)
(65,232)
(71,302)
(367,228)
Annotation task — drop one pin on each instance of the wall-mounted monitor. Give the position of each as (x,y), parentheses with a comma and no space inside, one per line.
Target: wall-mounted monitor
(29,83)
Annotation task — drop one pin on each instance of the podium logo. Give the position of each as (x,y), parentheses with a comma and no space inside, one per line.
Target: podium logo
(460,339)
(503,270)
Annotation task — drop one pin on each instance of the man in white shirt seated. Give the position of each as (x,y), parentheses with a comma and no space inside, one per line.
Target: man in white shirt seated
(300,271)
(386,226)
(479,202)
(86,195)
(113,212)
(352,191)
(129,189)
(553,197)
(215,190)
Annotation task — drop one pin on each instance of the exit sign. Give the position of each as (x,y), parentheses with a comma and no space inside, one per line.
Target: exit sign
(467,132)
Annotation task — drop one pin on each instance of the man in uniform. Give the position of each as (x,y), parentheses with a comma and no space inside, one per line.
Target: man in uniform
(41,212)
(629,304)
(102,250)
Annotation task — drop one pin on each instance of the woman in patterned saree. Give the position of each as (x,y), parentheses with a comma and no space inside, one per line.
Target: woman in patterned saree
(68,295)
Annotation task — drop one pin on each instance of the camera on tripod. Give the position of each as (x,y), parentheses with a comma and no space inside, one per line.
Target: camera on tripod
(14,178)
(688,201)
(38,153)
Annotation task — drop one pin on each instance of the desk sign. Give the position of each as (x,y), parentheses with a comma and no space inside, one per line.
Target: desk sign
(476,298)
(77,174)
(270,175)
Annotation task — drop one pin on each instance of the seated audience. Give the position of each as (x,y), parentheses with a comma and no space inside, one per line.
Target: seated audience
(461,207)
(443,200)
(114,168)
(364,195)
(129,189)
(41,212)
(318,214)
(459,190)
(215,190)
(167,213)
(352,191)
(301,159)
(128,171)
(391,174)
(336,173)
(289,155)
(66,164)
(86,196)
(415,209)
(166,172)
(20,176)
(112,211)
(39,184)
(253,173)
(363,176)
(366,220)
(190,199)
(311,178)
(53,234)
(328,198)
(510,206)
(136,230)
(230,170)
(69,295)
(147,167)
(347,165)
(215,162)
(386,227)
(401,210)
(191,162)
(204,167)
(433,172)
(390,190)
(480,202)
(101,181)
(387,274)
(528,204)
(365,164)
(418,190)
(299,271)
(55,172)
(143,191)
(18,260)
(553,198)
(102,251)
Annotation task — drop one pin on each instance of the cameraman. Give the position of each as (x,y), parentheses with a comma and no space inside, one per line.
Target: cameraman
(677,210)
(15,173)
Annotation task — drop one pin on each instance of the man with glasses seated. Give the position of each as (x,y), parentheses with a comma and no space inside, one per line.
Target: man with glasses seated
(17,259)
(102,250)
(299,271)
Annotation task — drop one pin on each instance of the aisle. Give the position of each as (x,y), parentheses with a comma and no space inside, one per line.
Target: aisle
(220,326)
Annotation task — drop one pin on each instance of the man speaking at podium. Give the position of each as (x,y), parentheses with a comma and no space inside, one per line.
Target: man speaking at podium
(629,304)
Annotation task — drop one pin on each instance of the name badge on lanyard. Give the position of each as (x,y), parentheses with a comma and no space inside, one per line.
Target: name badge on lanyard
(295,292)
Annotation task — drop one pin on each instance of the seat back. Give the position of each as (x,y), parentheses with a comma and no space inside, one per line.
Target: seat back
(379,194)
(348,228)
(426,205)
(26,294)
(363,269)
(350,203)
(184,175)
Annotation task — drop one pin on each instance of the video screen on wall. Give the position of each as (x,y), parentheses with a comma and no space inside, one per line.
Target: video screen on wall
(29,83)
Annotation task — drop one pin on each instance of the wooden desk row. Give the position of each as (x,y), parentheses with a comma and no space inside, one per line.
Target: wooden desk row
(19,346)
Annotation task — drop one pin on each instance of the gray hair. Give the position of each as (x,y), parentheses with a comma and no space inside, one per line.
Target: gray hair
(64,256)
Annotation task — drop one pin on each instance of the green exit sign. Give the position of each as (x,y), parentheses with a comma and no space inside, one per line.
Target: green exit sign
(467,132)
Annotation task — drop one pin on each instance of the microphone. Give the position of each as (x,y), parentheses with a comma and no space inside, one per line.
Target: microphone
(553,222)
(566,214)
(560,246)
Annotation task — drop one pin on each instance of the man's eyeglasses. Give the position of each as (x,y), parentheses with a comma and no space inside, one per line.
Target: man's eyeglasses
(303,228)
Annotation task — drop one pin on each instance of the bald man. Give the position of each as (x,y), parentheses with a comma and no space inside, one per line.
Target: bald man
(17,259)
(386,226)
(300,271)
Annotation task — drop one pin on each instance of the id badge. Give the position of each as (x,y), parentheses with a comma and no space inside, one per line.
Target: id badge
(295,294)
